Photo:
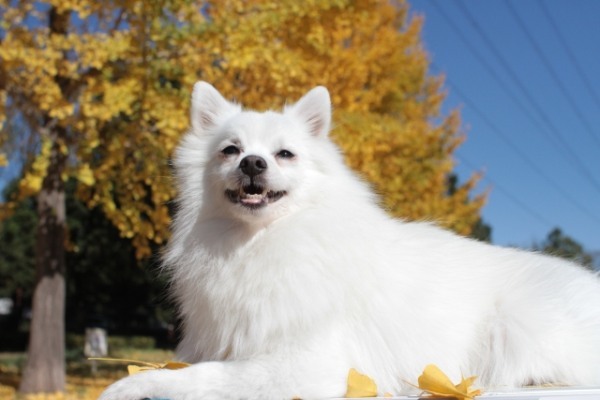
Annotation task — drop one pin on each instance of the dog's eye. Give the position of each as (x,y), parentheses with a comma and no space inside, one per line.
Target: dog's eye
(230,150)
(285,154)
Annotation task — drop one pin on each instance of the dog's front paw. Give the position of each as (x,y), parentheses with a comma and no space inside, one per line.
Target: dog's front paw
(145,385)
(125,390)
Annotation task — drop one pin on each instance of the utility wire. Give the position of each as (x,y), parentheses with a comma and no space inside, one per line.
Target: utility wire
(488,66)
(561,39)
(525,157)
(492,71)
(509,195)
(575,162)
(586,124)
(504,137)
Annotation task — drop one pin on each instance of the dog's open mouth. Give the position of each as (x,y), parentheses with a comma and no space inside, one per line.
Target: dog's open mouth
(253,196)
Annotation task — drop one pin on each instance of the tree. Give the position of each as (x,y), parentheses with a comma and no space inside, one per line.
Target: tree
(596,260)
(479,230)
(118,81)
(560,245)
(62,76)
(17,241)
(102,90)
(96,249)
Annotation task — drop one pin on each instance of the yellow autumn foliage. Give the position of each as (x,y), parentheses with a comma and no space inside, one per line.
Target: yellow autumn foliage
(115,78)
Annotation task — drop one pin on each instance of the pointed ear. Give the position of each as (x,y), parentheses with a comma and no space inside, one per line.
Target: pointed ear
(209,107)
(314,109)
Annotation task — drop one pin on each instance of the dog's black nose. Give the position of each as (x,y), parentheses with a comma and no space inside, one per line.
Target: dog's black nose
(253,165)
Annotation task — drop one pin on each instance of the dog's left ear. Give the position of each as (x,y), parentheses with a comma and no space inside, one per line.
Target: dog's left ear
(314,109)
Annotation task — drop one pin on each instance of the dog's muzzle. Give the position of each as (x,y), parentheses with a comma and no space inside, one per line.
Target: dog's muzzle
(253,193)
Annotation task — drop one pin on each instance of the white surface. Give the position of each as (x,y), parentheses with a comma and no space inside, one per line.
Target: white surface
(576,393)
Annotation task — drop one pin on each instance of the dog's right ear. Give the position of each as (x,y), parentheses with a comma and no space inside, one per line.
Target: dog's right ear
(209,107)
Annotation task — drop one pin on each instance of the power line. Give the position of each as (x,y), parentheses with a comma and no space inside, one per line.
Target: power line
(580,72)
(510,196)
(575,162)
(553,73)
(494,75)
(487,65)
(505,138)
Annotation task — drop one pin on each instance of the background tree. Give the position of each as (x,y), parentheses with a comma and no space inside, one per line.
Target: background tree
(95,250)
(127,294)
(17,265)
(561,245)
(70,74)
(102,90)
(479,230)
(17,242)
(596,260)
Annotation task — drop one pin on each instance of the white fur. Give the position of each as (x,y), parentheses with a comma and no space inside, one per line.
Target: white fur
(282,301)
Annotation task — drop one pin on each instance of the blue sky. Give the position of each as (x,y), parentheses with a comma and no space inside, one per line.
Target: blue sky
(526,76)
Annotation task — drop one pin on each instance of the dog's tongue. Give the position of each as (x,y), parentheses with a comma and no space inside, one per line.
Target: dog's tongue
(252,199)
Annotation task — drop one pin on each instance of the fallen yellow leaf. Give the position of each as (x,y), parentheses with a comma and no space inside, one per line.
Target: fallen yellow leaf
(134,369)
(145,366)
(466,383)
(174,365)
(360,385)
(435,382)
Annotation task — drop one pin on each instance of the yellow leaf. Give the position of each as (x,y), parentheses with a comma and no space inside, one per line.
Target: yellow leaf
(134,369)
(3,160)
(31,184)
(145,365)
(174,365)
(435,382)
(151,365)
(360,385)
(85,175)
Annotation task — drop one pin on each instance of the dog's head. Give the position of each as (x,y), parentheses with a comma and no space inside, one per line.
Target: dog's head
(256,166)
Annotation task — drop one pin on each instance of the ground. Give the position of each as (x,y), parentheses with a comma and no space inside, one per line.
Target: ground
(82,384)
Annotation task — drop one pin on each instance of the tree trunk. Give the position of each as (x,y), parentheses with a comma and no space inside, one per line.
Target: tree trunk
(45,367)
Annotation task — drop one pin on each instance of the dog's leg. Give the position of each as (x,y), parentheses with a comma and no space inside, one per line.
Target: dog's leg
(295,373)
(264,378)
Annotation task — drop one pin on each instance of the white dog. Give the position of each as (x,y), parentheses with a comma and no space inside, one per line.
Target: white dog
(288,274)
